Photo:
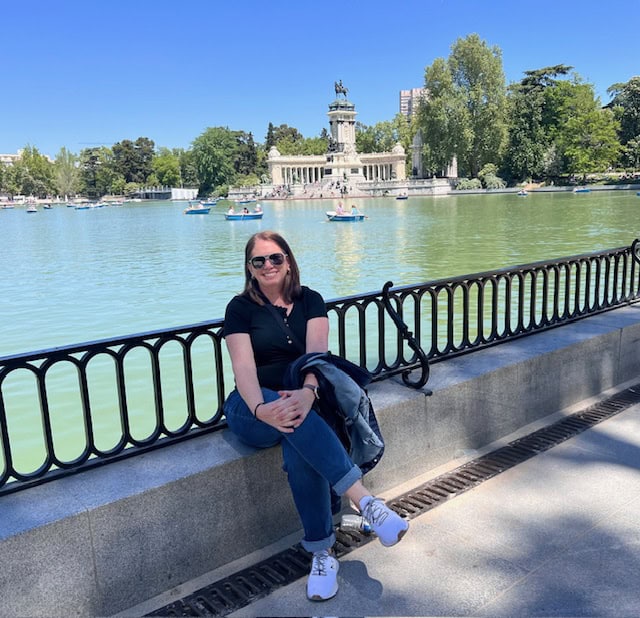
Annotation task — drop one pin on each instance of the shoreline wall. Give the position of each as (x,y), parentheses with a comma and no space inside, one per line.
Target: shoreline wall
(440,187)
(107,539)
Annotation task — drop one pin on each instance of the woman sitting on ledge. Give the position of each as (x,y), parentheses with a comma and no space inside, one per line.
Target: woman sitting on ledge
(262,413)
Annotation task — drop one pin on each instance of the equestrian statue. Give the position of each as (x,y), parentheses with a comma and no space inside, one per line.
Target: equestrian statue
(340,89)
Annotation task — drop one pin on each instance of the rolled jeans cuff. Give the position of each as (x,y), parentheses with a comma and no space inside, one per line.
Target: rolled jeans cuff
(355,474)
(312,546)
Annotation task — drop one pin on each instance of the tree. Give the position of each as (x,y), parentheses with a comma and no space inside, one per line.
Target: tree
(465,111)
(479,81)
(589,141)
(188,170)
(133,160)
(632,153)
(304,146)
(539,79)
(66,172)
(214,154)
(626,104)
(246,159)
(166,168)
(89,164)
(438,118)
(365,138)
(13,176)
(32,174)
(584,133)
(284,136)
(489,178)
(528,141)
(383,136)
(98,173)
(315,145)
(270,139)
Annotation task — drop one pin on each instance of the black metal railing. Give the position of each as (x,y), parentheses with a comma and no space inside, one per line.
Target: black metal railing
(71,408)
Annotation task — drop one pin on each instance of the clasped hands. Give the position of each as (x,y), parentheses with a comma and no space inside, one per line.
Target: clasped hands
(289,411)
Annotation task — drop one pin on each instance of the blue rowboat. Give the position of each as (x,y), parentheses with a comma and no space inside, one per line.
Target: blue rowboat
(197,210)
(243,216)
(333,216)
(582,190)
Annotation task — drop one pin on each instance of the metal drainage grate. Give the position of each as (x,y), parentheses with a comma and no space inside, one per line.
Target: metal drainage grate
(469,475)
(240,589)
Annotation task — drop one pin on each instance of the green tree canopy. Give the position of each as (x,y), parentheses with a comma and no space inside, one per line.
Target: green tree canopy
(166,168)
(188,169)
(133,160)
(214,155)
(626,105)
(31,174)
(284,131)
(246,156)
(66,172)
(584,133)
(304,146)
(98,173)
(438,118)
(465,111)
(528,140)
(479,82)
(270,139)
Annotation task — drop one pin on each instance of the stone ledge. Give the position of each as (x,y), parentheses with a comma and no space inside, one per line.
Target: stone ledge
(107,539)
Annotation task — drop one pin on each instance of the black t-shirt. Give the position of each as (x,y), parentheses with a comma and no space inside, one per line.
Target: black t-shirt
(271,348)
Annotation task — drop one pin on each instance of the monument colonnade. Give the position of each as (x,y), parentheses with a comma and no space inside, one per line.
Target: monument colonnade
(309,171)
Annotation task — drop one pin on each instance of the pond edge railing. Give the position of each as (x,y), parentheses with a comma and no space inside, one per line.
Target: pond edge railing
(445,317)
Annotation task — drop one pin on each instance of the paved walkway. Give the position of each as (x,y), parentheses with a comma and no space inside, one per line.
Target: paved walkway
(557,535)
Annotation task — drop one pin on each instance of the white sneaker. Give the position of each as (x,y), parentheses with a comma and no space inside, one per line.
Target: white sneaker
(323,579)
(387,524)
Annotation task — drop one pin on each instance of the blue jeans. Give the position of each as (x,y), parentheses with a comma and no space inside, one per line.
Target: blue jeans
(314,459)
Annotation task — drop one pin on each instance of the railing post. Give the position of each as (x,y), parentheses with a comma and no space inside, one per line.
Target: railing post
(635,250)
(411,341)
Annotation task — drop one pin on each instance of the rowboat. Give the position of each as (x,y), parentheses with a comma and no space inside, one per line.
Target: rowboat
(522,193)
(402,197)
(582,190)
(243,216)
(332,215)
(198,209)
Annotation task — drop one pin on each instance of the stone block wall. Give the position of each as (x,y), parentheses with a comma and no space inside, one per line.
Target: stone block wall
(107,539)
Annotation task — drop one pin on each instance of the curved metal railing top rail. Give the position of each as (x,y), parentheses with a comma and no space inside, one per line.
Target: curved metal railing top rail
(70,408)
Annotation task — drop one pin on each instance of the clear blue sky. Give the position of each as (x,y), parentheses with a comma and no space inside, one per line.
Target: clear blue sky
(82,73)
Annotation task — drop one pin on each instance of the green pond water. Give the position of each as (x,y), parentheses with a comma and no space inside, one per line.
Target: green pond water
(72,276)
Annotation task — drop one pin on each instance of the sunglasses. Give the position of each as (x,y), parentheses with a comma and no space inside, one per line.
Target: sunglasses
(258,261)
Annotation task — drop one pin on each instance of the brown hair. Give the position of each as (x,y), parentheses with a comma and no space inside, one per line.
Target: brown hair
(291,283)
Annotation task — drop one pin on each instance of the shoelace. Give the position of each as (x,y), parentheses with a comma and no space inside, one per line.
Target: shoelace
(375,512)
(319,567)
